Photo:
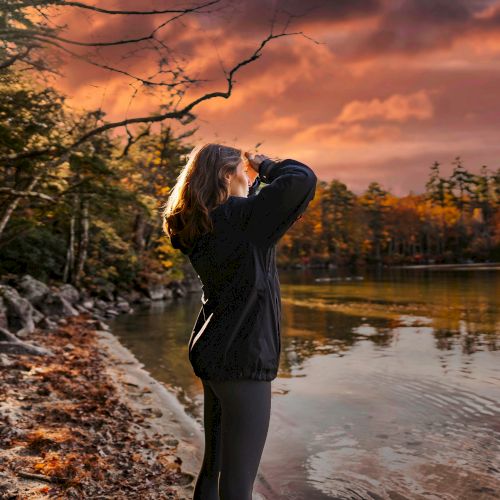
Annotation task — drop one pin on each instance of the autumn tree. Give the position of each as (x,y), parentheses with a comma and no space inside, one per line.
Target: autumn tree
(437,192)
(32,118)
(336,203)
(373,201)
(461,183)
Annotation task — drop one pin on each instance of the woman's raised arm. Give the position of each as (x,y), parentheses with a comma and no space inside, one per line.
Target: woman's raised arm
(267,216)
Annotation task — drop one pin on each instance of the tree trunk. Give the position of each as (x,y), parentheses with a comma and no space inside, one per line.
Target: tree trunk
(70,252)
(139,230)
(84,242)
(9,210)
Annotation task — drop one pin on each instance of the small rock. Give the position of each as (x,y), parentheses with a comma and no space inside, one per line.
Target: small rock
(5,362)
(81,308)
(123,306)
(101,304)
(102,325)
(47,324)
(88,303)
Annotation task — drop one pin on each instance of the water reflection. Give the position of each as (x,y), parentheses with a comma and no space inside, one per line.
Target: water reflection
(388,387)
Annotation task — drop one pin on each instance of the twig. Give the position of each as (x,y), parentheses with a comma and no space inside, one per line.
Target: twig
(41,477)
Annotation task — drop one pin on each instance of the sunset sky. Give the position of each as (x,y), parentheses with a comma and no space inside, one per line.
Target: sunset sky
(390,87)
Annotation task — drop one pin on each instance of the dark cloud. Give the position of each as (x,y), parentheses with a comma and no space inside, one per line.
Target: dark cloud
(322,10)
(419,26)
(431,12)
(245,17)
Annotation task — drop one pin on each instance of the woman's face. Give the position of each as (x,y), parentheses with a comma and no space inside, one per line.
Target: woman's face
(239,182)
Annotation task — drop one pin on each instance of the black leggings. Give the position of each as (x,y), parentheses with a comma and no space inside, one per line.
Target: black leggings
(236,420)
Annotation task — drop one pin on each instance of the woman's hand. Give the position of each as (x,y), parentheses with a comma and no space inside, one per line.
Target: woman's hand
(255,160)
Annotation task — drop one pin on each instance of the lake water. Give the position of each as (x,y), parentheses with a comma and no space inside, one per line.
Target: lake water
(389,383)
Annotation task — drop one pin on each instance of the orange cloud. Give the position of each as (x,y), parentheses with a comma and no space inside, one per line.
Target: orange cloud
(333,134)
(273,122)
(397,107)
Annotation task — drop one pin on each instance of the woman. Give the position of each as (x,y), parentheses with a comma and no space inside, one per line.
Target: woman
(215,216)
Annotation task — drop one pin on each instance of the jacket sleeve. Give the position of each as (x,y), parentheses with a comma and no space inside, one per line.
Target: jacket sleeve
(252,191)
(267,216)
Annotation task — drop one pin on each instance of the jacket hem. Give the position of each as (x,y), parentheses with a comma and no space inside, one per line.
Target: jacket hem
(264,374)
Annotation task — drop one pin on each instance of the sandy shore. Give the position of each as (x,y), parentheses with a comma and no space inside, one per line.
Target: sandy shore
(90,422)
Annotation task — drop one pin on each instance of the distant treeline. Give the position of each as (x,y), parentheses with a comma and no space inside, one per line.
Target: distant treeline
(455,220)
(92,216)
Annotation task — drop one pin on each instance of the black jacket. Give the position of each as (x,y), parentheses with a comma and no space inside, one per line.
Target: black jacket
(237,332)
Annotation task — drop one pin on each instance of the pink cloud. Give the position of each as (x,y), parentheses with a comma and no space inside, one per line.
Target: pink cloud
(397,107)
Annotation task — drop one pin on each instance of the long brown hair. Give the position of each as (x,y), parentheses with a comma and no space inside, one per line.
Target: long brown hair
(201,186)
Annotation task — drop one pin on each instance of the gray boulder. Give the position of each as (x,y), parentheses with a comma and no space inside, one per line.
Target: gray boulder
(17,310)
(32,289)
(131,296)
(122,305)
(70,293)
(3,314)
(156,292)
(55,304)
(177,288)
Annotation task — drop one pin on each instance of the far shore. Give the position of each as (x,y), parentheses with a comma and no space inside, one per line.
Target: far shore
(476,266)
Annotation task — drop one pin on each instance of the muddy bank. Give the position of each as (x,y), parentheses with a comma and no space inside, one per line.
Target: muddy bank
(87,421)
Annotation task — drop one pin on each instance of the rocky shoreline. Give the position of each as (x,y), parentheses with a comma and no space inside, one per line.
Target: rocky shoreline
(79,416)
(26,304)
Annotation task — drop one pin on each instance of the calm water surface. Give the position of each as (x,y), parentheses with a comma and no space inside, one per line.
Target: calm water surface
(389,384)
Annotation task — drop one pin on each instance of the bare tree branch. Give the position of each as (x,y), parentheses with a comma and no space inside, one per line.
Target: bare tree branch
(15,57)
(184,113)
(125,73)
(187,109)
(177,86)
(81,5)
(47,37)
(32,194)
(132,140)
(49,34)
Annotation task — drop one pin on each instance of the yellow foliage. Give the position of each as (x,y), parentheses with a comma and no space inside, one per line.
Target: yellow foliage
(165,247)
(163,191)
